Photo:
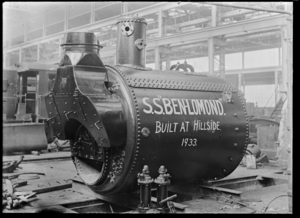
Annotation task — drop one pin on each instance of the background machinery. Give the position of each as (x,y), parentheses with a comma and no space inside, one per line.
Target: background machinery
(25,126)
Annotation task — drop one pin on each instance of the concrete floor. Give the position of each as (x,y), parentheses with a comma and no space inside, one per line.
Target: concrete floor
(61,168)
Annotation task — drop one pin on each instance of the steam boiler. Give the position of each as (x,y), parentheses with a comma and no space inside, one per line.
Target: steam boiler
(122,117)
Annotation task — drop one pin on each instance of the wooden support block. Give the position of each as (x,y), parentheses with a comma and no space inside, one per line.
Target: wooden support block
(19,184)
(176,205)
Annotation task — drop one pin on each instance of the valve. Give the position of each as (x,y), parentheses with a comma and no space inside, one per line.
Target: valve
(163,182)
(145,183)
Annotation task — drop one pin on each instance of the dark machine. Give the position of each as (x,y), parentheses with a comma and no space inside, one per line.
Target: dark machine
(25,126)
(120,118)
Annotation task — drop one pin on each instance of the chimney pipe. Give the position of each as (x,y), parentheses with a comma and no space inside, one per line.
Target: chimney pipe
(81,48)
(131,51)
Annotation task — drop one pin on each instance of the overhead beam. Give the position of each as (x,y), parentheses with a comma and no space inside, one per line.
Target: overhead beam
(21,10)
(207,19)
(242,28)
(246,7)
(204,34)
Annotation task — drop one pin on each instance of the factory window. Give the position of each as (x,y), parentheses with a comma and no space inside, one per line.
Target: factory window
(79,21)
(17,40)
(152,25)
(261,95)
(185,18)
(55,17)
(29,54)
(108,60)
(261,58)
(17,30)
(137,5)
(49,50)
(77,9)
(35,24)
(35,35)
(151,65)
(55,28)
(12,58)
(107,35)
(233,61)
(108,11)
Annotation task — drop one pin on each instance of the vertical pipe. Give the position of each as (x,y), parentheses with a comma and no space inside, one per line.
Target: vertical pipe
(38,52)
(284,57)
(213,16)
(222,62)
(66,17)
(25,31)
(160,22)
(243,60)
(210,55)
(276,86)
(157,58)
(211,41)
(168,63)
(239,80)
(92,12)
(290,106)
(124,7)
(20,55)
(37,92)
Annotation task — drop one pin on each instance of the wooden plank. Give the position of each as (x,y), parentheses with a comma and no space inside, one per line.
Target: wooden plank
(221,189)
(52,188)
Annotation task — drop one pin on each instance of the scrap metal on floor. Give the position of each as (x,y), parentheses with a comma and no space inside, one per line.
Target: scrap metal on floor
(49,182)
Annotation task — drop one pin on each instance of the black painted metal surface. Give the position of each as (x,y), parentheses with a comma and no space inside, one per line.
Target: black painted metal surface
(131,41)
(120,118)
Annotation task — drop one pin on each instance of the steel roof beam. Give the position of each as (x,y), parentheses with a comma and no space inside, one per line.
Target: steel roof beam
(242,27)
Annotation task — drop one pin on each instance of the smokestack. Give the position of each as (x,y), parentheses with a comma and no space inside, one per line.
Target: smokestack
(81,48)
(131,51)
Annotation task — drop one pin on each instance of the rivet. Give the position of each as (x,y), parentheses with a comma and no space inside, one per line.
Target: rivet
(74,102)
(74,112)
(66,102)
(235,115)
(91,126)
(235,144)
(224,170)
(95,115)
(230,158)
(83,102)
(237,129)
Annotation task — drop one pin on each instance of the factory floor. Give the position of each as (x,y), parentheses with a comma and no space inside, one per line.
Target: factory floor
(61,190)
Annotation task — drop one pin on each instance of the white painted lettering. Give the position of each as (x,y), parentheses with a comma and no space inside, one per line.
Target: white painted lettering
(148,105)
(167,105)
